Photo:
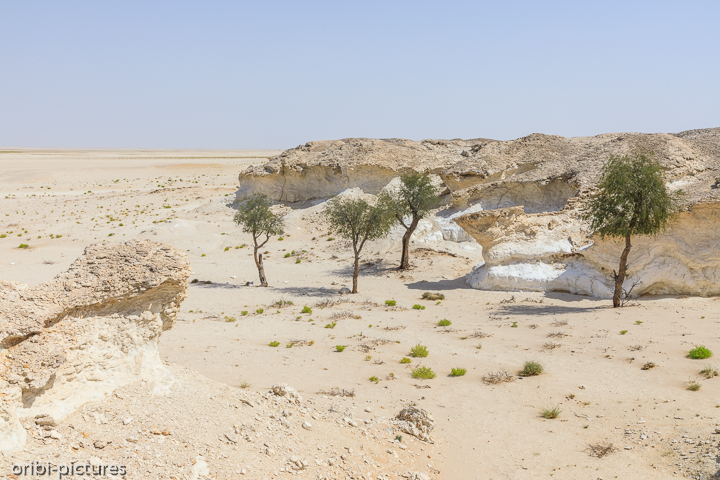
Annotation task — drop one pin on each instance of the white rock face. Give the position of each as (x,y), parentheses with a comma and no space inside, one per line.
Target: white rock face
(85,333)
(553,252)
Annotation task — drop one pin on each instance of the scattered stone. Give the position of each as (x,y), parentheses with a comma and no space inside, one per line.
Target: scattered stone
(416,422)
(283,390)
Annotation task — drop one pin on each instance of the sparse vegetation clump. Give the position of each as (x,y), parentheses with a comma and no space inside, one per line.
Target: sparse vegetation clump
(530,369)
(709,372)
(417,306)
(405,360)
(433,296)
(306,309)
(339,348)
(458,372)
(424,373)
(256,218)
(550,413)
(282,303)
(632,200)
(230,319)
(444,323)
(419,351)
(331,325)
(259,311)
(693,385)
(274,343)
(498,377)
(374,379)
(390,303)
(700,352)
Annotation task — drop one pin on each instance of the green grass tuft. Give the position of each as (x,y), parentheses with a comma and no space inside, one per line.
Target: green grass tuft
(444,322)
(274,343)
(458,372)
(694,385)
(390,303)
(405,360)
(419,351)
(339,348)
(306,309)
(700,352)
(423,372)
(530,369)
(418,307)
(550,413)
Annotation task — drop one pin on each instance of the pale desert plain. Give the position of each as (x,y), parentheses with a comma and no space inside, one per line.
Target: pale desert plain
(619,377)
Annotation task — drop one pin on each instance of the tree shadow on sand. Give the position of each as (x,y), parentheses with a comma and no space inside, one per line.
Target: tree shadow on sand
(541,309)
(216,285)
(448,284)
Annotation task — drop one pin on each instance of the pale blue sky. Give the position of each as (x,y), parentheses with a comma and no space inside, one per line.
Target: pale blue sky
(275,74)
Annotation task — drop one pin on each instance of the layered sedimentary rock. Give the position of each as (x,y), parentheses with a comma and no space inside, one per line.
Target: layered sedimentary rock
(86,332)
(520,200)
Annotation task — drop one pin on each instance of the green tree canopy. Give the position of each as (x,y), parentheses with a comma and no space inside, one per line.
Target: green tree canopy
(632,199)
(357,221)
(256,218)
(410,204)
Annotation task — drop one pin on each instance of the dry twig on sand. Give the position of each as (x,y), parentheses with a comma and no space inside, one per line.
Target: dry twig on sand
(498,377)
(600,450)
(338,392)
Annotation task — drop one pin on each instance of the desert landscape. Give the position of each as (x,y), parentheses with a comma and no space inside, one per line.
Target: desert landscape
(134,332)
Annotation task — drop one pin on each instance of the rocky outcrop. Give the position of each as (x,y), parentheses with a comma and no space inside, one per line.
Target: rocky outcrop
(539,172)
(520,200)
(86,332)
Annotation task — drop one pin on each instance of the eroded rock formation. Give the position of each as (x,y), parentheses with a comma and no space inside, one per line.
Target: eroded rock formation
(520,200)
(86,332)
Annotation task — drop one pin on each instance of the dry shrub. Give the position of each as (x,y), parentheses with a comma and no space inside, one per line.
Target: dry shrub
(480,334)
(498,377)
(600,450)
(338,392)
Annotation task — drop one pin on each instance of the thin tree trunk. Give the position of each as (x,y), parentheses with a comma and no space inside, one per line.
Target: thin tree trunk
(356,273)
(405,260)
(261,269)
(622,273)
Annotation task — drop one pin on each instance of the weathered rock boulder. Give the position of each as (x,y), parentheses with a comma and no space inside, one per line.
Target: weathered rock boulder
(86,332)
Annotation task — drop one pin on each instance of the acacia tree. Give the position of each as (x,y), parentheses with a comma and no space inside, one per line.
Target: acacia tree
(357,221)
(632,200)
(410,204)
(256,218)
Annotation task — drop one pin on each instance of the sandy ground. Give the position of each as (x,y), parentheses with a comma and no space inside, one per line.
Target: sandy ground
(58,202)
